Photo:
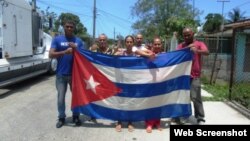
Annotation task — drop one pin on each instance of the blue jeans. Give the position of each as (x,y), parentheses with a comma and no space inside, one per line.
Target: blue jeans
(61,86)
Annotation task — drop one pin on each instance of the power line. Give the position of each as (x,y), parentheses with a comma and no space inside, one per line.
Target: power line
(114,20)
(62,9)
(116,16)
(243,4)
(109,17)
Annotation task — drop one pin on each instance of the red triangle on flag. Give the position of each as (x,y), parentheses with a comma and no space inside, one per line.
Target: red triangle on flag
(88,83)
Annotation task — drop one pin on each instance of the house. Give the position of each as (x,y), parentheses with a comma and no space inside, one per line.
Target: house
(233,42)
(240,69)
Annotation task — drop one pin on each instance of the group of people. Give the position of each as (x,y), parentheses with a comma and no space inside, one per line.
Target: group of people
(63,46)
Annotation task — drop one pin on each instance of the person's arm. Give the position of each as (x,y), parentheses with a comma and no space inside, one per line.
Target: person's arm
(55,54)
(146,53)
(119,52)
(201,50)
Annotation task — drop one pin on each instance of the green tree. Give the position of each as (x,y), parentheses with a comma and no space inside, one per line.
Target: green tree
(236,15)
(159,17)
(213,23)
(80,31)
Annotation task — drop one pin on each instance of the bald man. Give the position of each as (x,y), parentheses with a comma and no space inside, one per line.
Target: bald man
(199,49)
(140,49)
(103,45)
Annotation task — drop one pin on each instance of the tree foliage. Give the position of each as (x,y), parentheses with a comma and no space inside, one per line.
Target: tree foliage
(80,31)
(163,17)
(57,23)
(235,15)
(213,23)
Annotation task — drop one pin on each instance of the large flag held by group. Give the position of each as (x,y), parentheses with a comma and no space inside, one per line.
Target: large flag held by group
(129,88)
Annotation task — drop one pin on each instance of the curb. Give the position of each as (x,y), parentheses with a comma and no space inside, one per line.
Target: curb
(244,111)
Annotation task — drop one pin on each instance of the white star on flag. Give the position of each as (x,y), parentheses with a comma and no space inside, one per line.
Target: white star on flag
(91,84)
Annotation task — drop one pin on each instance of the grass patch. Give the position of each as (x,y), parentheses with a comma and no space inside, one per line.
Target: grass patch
(241,93)
(219,91)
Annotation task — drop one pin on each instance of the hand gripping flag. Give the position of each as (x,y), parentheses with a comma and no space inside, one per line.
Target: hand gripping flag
(130,88)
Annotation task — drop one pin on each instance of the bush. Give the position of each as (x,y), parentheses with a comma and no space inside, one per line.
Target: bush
(241,94)
(220,92)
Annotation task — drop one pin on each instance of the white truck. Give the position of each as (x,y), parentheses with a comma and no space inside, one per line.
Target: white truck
(24,46)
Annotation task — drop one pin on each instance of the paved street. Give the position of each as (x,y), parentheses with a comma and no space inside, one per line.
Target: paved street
(28,113)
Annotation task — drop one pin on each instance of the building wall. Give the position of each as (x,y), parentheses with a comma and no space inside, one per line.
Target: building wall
(221,69)
(241,74)
(223,63)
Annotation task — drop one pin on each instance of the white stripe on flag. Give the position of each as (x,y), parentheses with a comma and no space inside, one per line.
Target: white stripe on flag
(124,103)
(142,76)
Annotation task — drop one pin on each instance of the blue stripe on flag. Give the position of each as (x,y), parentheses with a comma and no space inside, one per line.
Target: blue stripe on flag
(173,110)
(128,62)
(154,89)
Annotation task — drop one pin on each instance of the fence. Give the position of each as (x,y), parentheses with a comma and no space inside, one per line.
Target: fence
(240,78)
(217,66)
(229,62)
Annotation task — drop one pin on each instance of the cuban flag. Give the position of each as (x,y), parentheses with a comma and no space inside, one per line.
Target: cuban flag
(130,88)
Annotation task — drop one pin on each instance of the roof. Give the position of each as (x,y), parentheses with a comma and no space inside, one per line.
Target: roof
(226,33)
(239,24)
(228,28)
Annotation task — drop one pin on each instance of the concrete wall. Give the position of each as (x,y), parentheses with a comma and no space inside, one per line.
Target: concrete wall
(222,66)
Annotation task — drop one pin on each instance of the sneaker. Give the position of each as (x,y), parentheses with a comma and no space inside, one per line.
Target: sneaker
(168,123)
(60,123)
(183,121)
(77,121)
(201,122)
(93,120)
(178,121)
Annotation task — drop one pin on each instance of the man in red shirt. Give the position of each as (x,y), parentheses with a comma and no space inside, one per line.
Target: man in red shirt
(199,48)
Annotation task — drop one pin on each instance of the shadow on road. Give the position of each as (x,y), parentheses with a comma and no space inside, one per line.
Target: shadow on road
(23,85)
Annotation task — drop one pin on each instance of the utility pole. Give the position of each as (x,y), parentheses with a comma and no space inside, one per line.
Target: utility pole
(222,26)
(94,21)
(193,8)
(221,43)
(114,33)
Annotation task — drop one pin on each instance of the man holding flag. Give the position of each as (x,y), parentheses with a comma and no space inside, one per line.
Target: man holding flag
(62,48)
(199,49)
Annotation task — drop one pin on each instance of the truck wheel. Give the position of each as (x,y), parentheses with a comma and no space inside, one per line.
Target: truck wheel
(52,67)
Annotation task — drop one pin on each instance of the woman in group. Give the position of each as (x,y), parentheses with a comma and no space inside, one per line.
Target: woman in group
(131,50)
(129,42)
(157,48)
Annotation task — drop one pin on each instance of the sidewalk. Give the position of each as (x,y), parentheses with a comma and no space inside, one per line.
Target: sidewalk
(30,114)
(221,113)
